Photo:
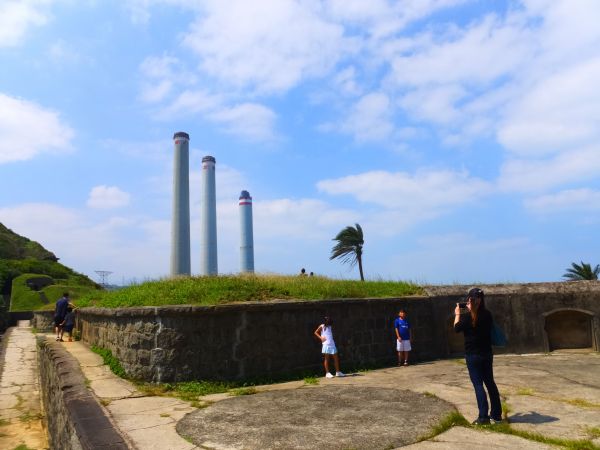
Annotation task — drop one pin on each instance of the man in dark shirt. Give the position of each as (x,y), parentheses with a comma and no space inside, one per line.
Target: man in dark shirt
(60,311)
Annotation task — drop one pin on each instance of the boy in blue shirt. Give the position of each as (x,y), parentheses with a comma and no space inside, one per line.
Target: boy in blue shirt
(402,328)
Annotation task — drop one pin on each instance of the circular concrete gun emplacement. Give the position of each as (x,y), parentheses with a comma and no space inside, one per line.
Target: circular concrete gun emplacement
(316,417)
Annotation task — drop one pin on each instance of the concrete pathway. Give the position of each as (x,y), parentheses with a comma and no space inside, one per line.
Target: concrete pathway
(555,395)
(20,404)
(148,422)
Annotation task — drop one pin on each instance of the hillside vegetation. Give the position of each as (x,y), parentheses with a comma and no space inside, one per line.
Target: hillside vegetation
(230,289)
(24,297)
(20,256)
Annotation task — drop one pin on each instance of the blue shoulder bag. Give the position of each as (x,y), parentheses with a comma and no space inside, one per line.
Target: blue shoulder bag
(497,336)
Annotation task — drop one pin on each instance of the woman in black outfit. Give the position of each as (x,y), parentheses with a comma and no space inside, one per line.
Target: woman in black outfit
(476,326)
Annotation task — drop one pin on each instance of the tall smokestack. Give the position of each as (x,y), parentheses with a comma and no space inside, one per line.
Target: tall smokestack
(180,227)
(246,235)
(208,217)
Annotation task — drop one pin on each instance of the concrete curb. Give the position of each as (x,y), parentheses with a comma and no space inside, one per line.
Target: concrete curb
(75,418)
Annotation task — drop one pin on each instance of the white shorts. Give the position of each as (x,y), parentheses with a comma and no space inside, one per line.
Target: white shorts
(329,349)
(403,345)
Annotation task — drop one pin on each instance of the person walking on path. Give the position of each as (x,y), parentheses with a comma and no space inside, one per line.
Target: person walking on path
(325,334)
(476,325)
(68,324)
(60,311)
(403,335)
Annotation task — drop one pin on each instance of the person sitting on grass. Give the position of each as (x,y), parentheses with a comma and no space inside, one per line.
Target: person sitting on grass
(325,334)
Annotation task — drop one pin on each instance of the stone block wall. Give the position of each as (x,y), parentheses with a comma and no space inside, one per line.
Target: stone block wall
(75,419)
(255,340)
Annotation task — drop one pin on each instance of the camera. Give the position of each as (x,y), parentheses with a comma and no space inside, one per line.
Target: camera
(462,305)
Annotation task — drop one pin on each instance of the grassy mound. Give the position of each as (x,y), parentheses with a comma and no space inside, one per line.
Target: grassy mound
(229,289)
(26,297)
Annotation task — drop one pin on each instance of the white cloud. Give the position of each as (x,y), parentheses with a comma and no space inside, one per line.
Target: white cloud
(370,119)
(18,16)
(27,130)
(107,197)
(535,175)
(559,113)
(267,46)
(252,121)
(572,200)
(399,190)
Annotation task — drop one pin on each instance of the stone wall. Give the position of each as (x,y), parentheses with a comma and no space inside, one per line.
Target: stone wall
(75,420)
(43,320)
(275,339)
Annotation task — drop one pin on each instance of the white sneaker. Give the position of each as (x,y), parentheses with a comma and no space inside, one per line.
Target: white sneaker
(339,374)
(328,375)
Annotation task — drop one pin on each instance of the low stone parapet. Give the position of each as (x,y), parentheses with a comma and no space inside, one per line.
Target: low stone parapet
(75,419)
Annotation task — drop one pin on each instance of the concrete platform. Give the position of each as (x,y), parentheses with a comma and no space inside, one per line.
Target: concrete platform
(555,395)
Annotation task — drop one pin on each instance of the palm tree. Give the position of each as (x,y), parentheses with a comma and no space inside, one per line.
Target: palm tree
(582,272)
(349,247)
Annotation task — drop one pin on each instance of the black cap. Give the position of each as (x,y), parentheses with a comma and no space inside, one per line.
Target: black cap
(245,194)
(475,293)
(181,134)
(209,159)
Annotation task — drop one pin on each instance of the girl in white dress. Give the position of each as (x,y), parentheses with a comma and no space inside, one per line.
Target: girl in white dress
(325,334)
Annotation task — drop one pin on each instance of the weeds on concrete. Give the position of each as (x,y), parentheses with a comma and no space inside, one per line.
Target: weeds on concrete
(111,361)
(28,417)
(452,419)
(593,432)
(4,422)
(582,403)
(311,380)
(23,447)
(525,391)
(188,391)
(571,444)
(165,415)
(243,391)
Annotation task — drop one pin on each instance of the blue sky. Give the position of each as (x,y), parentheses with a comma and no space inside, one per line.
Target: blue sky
(462,135)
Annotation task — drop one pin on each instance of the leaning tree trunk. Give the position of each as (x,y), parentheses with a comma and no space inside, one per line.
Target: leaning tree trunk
(362,277)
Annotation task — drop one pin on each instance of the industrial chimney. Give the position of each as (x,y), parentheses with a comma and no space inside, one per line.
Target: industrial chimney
(246,235)
(180,226)
(208,218)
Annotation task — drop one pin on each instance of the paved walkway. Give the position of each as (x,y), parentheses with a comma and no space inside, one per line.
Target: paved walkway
(555,395)
(148,422)
(20,404)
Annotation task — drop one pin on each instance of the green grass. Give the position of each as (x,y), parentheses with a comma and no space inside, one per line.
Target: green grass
(525,391)
(23,447)
(228,289)
(593,432)
(25,299)
(311,380)
(249,390)
(452,419)
(582,403)
(457,419)
(188,390)
(572,444)
(111,361)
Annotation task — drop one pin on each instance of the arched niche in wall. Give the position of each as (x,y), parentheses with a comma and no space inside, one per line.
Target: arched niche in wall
(569,329)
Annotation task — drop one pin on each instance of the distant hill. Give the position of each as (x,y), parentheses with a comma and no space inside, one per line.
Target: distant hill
(22,256)
(14,246)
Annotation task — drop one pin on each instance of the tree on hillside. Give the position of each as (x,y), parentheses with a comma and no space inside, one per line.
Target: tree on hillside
(582,272)
(349,247)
